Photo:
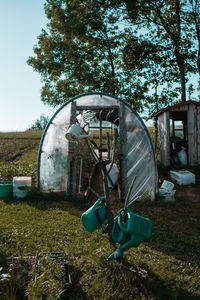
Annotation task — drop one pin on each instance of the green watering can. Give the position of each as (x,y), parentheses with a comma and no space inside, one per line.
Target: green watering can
(95,216)
(129,230)
(131,223)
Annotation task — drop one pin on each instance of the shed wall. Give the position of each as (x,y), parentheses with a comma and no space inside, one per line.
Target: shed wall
(193,134)
(164,127)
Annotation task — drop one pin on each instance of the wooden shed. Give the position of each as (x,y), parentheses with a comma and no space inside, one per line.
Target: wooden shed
(179,128)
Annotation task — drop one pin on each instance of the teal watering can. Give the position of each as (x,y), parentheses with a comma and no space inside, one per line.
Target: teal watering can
(95,216)
(131,223)
(129,230)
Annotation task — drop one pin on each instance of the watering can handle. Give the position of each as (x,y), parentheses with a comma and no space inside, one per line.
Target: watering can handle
(97,214)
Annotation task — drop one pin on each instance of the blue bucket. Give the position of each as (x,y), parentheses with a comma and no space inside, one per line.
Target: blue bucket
(95,216)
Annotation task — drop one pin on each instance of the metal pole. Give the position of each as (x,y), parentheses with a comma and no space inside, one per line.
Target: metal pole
(81,165)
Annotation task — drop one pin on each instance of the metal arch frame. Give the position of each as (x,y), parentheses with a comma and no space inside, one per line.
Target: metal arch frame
(75,98)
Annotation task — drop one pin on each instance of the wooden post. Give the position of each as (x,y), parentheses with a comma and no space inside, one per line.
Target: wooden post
(122,161)
(107,200)
(108,144)
(164,128)
(100,140)
(192,135)
(71,187)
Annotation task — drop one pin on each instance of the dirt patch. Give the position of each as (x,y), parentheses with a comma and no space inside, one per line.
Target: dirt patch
(26,262)
(22,152)
(190,194)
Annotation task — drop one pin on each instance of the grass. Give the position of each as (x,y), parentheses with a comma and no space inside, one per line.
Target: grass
(166,267)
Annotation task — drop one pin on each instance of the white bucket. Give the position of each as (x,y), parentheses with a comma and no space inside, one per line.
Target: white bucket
(21,186)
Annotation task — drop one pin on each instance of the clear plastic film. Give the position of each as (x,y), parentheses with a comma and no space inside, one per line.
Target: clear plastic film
(137,153)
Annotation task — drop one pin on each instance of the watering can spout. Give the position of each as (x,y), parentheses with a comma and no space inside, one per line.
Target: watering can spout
(118,255)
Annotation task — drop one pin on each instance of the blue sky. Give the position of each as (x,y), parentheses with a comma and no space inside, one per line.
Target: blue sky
(21,22)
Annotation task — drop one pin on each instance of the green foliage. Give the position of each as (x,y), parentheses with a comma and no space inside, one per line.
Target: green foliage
(142,51)
(160,74)
(167,24)
(82,52)
(40,123)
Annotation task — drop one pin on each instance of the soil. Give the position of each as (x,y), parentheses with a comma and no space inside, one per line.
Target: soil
(189,194)
(23,150)
(27,262)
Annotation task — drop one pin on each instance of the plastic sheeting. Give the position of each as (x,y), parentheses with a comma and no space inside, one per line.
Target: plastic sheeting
(135,148)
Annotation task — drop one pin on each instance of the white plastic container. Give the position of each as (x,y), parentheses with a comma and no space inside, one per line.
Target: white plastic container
(182,155)
(166,190)
(21,186)
(183,177)
(166,187)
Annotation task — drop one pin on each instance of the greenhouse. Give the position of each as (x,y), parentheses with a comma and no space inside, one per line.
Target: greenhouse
(93,132)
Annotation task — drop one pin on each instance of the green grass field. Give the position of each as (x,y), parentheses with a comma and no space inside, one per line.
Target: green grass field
(166,267)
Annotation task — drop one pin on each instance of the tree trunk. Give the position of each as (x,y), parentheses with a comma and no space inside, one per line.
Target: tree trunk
(182,75)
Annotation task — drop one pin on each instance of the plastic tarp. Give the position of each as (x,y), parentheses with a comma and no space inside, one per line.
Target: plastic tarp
(135,143)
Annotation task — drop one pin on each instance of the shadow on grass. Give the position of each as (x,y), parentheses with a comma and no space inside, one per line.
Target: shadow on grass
(175,228)
(161,289)
(172,245)
(76,290)
(166,239)
(49,201)
(140,282)
(13,283)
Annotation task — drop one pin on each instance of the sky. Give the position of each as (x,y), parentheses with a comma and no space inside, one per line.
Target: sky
(21,22)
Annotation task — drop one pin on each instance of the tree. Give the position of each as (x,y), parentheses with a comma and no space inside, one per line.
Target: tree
(81,51)
(166,19)
(40,123)
(194,11)
(156,70)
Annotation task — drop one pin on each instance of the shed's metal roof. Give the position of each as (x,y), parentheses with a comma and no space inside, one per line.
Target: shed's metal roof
(173,107)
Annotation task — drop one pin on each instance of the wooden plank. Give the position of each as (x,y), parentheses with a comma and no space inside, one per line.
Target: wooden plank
(192,136)
(164,128)
(160,130)
(181,108)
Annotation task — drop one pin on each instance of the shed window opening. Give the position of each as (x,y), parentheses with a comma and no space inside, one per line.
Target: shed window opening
(178,130)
